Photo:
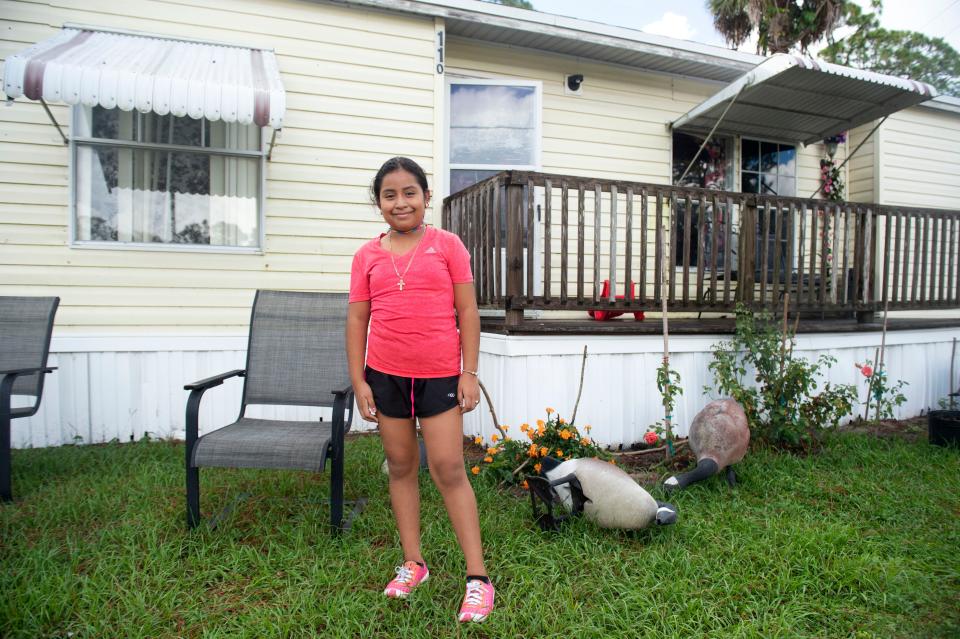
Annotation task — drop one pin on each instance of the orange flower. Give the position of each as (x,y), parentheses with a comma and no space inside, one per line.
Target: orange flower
(563,421)
(565,434)
(585,441)
(524,428)
(550,410)
(488,459)
(494,437)
(504,427)
(537,467)
(587,428)
(532,451)
(475,470)
(613,462)
(559,453)
(478,440)
(543,451)
(492,451)
(506,438)
(540,423)
(525,485)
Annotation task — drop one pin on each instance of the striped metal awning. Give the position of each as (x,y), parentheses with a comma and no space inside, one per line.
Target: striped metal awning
(793,98)
(127,70)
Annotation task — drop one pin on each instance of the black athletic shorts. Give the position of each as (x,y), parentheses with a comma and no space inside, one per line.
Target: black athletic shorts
(408,397)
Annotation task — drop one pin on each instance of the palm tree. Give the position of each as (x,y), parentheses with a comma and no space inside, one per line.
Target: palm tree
(780,24)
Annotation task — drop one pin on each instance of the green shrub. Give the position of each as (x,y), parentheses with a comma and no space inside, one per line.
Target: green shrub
(782,405)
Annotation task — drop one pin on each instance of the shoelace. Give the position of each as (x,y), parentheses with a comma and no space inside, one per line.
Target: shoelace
(404,574)
(474,593)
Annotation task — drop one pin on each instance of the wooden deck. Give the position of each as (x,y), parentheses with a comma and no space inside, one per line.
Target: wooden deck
(626,325)
(561,243)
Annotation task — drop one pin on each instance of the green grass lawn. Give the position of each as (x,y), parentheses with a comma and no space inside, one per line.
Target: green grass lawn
(862,540)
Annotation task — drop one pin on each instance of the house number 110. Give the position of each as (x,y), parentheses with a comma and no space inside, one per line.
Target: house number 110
(440,52)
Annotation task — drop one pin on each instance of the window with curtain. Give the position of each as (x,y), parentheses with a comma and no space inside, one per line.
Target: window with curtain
(143,178)
(709,167)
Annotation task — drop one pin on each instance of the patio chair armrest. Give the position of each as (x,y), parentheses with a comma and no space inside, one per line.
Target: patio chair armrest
(197,389)
(216,380)
(348,388)
(343,401)
(9,376)
(27,371)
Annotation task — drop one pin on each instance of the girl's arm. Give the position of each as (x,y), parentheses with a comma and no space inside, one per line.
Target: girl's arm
(465,301)
(358,319)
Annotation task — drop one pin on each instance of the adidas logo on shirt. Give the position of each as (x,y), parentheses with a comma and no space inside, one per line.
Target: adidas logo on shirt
(429,251)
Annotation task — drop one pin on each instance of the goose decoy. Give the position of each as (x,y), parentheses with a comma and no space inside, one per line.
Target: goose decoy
(719,438)
(605,494)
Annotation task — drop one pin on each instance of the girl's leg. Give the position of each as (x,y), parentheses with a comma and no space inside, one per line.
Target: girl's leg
(399,437)
(443,436)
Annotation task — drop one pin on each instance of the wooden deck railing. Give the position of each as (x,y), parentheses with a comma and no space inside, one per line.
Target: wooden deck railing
(550,242)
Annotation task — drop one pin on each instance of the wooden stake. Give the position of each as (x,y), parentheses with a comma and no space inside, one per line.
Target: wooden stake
(953,356)
(667,419)
(783,344)
(881,359)
(866,409)
(583,367)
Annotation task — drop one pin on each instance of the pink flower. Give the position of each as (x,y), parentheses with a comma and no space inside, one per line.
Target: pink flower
(650,437)
(866,369)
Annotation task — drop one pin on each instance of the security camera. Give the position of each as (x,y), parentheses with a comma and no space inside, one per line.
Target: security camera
(574,83)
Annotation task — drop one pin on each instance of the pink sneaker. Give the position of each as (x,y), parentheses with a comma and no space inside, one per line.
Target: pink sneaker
(477,602)
(409,576)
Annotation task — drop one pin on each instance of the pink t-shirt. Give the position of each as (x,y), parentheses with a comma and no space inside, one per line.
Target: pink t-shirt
(413,332)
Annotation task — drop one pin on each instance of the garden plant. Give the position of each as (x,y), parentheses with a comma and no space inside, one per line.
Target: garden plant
(509,460)
(881,394)
(784,403)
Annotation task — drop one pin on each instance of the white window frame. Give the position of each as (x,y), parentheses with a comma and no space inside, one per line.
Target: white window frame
(538,108)
(796,183)
(537,85)
(738,184)
(73,242)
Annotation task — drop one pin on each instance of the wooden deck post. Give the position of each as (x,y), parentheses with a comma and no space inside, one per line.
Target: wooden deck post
(868,251)
(746,254)
(514,259)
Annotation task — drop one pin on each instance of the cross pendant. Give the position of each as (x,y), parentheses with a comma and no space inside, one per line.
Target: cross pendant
(400,283)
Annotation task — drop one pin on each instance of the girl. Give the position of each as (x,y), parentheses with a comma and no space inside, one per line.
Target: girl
(409,287)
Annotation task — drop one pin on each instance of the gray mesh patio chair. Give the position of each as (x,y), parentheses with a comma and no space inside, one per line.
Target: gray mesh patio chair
(26,324)
(295,356)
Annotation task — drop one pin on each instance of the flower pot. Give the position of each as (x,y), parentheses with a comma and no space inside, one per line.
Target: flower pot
(943,427)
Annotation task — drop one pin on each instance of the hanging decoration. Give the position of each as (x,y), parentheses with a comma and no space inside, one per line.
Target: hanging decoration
(831,180)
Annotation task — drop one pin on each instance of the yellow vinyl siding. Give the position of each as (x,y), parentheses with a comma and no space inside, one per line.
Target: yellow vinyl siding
(862,168)
(616,129)
(360,88)
(920,159)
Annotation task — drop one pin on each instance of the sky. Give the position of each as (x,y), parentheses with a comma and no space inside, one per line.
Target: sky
(690,20)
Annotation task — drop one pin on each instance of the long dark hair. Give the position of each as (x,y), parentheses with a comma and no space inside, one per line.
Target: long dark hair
(398,163)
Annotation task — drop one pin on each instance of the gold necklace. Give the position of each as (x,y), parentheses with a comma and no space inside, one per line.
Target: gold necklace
(400,282)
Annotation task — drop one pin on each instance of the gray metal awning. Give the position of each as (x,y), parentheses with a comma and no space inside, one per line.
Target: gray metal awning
(793,98)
